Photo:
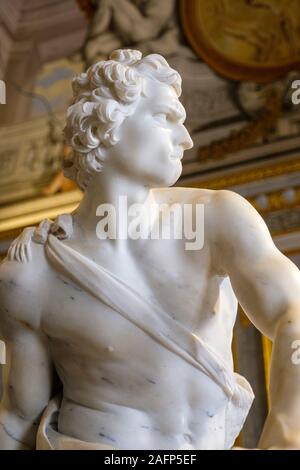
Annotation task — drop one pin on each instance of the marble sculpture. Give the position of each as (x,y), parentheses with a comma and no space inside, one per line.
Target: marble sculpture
(124,342)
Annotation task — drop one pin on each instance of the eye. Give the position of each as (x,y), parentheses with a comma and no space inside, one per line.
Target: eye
(161,117)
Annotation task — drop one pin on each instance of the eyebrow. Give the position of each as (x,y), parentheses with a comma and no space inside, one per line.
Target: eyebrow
(176,109)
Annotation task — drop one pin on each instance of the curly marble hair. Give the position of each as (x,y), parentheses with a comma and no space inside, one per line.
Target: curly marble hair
(102,99)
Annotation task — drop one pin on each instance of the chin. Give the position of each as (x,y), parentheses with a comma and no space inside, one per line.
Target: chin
(166,182)
(167,176)
(175,173)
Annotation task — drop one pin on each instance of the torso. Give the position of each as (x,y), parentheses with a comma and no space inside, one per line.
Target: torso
(121,387)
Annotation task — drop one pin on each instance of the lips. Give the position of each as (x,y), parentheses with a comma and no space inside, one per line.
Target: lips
(178,155)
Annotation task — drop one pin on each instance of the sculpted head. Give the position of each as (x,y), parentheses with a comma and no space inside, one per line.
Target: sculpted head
(126,114)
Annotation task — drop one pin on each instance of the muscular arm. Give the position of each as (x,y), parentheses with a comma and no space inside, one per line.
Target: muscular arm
(28,371)
(267,285)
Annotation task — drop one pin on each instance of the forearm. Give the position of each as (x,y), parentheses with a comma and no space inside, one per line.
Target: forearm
(282,427)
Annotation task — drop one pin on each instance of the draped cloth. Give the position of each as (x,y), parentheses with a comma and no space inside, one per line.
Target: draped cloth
(49,438)
(149,318)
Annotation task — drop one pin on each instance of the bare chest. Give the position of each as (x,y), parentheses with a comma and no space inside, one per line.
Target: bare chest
(179,283)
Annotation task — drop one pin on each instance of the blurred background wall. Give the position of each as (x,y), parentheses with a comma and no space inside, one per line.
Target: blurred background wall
(238,59)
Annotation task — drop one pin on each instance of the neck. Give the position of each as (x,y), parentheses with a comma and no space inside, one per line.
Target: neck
(110,189)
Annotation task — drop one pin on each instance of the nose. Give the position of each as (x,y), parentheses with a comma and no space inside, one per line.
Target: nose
(184,138)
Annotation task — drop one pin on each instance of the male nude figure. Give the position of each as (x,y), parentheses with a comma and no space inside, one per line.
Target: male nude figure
(123,386)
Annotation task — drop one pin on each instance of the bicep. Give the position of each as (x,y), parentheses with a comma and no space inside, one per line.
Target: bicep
(266,289)
(29,372)
(27,387)
(266,283)
(28,369)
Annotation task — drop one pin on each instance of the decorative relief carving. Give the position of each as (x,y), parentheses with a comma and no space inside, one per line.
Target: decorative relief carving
(267,32)
(150,25)
(31,153)
(8,162)
(245,39)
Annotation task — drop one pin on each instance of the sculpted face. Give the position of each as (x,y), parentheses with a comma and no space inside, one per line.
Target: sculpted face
(153,139)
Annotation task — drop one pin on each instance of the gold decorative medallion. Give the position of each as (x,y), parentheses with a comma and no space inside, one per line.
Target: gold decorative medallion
(255,40)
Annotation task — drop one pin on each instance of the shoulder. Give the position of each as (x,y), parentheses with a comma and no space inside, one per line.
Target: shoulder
(219,206)
(226,199)
(233,215)
(22,280)
(26,274)
(237,230)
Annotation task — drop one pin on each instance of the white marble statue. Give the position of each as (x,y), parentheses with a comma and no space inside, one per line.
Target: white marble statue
(124,342)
